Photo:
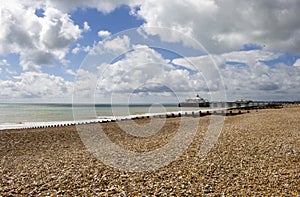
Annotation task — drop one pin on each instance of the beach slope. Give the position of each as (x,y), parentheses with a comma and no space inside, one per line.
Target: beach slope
(257,153)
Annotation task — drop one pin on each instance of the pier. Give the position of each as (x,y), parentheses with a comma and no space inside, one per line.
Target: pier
(216,108)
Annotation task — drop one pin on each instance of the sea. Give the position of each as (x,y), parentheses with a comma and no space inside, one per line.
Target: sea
(20,115)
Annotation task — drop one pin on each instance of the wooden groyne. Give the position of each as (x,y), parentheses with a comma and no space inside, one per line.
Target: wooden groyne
(217,108)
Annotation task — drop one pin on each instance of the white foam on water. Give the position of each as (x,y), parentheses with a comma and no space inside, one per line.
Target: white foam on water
(24,125)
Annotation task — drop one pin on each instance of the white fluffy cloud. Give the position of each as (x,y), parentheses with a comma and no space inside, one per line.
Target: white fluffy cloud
(143,71)
(103,33)
(249,77)
(38,40)
(84,86)
(116,46)
(297,63)
(206,61)
(104,6)
(222,27)
(33,86)
(71,72)
(219,26)
(227,25)
(4,62)
(86,26)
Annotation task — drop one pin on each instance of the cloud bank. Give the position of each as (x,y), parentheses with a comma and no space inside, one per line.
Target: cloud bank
(223,26)
(37,39)
(44,34)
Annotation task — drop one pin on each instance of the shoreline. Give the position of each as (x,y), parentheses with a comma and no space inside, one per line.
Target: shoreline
(99,119)
(257,153)
(111,118)
(31,125)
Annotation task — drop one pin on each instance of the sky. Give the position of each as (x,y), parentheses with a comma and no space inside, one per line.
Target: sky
(149,51)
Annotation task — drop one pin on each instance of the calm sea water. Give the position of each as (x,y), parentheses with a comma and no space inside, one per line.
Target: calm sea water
(21,113)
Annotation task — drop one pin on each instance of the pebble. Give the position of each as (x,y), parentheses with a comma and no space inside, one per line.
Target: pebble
(257,154)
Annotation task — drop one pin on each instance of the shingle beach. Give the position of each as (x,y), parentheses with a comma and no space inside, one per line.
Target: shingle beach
(257,153)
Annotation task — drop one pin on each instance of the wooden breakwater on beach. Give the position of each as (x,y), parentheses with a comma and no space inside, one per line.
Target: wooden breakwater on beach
(219,108)
(257,154)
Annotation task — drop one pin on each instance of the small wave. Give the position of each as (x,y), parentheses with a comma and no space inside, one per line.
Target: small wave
(19,125)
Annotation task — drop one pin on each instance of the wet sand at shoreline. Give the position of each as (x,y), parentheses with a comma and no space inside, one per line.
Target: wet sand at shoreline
(257,153)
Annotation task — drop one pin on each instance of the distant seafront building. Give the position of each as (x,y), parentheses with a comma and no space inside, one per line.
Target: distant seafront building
(194,102)
(198,101)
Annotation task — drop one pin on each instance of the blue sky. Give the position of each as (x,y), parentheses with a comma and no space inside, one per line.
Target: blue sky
(163,51)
